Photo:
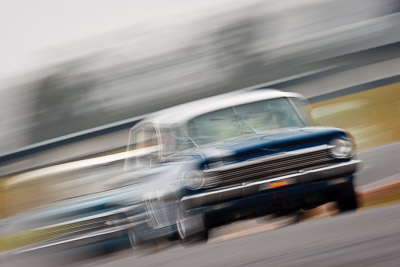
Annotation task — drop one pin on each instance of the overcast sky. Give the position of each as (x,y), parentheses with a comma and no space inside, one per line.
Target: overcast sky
(32,28)
(34,33)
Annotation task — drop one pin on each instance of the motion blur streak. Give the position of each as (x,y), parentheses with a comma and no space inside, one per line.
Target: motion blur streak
(71,190)
(78,165)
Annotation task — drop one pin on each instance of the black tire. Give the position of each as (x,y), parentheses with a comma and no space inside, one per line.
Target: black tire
(190,230)
(198,238)
(346,198)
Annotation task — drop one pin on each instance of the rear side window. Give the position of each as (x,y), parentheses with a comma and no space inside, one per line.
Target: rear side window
(139,138)
(145,137)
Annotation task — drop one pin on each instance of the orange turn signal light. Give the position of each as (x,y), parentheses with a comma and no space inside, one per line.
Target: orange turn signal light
(278,184)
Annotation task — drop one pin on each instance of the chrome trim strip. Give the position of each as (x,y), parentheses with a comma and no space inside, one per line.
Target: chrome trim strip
(93,217)
(340,168)
(269,158)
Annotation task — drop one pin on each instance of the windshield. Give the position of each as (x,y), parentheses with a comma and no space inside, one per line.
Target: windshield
(257,117)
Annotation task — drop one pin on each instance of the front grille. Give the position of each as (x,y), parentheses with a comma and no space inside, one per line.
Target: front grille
(269,167)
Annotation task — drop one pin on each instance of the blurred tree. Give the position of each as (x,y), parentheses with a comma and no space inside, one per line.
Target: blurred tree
(235,53)
(62,102)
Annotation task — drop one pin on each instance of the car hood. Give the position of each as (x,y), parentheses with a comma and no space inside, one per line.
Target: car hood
(267,144)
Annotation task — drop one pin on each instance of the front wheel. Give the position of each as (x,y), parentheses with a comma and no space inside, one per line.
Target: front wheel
(191,228)
(346,198)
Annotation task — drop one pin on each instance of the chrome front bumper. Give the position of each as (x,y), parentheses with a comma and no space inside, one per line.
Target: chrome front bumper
(250,188)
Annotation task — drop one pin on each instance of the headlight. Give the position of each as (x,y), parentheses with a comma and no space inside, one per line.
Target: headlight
(193,179)
(342,148)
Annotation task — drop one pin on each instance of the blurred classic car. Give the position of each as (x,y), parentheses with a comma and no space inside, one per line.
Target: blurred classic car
(204,164)
(235,156)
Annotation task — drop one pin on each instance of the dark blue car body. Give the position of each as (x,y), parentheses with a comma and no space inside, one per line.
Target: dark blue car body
(214,182)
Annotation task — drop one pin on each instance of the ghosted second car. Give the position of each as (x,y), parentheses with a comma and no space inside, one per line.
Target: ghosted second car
(232,157)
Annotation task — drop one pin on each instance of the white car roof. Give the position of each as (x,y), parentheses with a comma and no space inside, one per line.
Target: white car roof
(190,110)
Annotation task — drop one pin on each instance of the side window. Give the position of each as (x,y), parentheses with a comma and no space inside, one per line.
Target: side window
(143,137)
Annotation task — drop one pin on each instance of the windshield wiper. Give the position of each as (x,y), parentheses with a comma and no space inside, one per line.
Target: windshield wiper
(245,122)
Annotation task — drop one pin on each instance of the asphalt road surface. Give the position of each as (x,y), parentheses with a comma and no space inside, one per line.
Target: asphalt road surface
(365,238)
(378,164)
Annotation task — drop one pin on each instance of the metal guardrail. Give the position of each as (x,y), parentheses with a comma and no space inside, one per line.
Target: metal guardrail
(71,138)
